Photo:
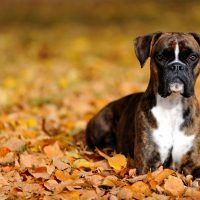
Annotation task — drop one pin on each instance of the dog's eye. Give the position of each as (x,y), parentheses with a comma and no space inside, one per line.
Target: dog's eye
(160,57)
(193,57)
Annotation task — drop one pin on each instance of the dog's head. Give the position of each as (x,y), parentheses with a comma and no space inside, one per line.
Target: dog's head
(174,61)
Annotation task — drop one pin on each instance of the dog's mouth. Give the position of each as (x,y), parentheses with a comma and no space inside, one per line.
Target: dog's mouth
(176,86)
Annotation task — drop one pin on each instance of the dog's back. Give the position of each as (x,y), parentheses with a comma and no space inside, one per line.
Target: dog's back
(101,129)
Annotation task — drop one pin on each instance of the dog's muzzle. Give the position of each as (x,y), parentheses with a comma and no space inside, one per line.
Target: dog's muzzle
(176,85)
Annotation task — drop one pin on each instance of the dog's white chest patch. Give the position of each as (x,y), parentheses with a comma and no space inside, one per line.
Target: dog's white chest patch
(168,136)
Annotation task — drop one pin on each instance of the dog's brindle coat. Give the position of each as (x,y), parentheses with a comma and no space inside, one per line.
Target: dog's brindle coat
(162,125)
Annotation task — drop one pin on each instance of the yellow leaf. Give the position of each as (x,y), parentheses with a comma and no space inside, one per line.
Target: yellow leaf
(117,162)
(31,123)
(81,163)
(62,83)
(29,134)
(62,176)
(69,195)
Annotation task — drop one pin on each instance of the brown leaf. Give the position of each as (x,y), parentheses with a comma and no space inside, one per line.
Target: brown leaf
(194,194)
(40,172)
(15,144)
(174,186)
(53,150)
(110,181)
(163,175)
(140,189)
(51,184)
(125,193)
(94,180)
(90,194)
(8,158)
(60,164)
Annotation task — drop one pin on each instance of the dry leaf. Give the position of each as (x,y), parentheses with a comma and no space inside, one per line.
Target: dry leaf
(94,180)
(53,150)
(89,195)
(163,175)
(51,184)
(40,172)
(69,195)
(15,144)
(81,163)
(60,164)
(117,162)
(110,181)
(4,151)
(191,192)
(125,193)
(174,186)
(140,189)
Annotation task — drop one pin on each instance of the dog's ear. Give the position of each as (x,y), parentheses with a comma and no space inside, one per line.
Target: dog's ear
(196,37)
(143,45)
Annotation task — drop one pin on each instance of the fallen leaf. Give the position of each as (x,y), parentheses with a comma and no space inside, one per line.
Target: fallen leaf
(69,195)
(94,180)
(60,164)
(4,151)
(51,184)
(89,195)
(163,175)
(53,150)
(110,181)
(40,172)
(81,163)
(15,144)
(64,176)
(174,186)
(29,134)
(117,162)
(140,189)
(8,158)
(125,193)
(191,192)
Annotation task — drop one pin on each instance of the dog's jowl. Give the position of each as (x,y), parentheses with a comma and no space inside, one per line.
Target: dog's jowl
(160,126)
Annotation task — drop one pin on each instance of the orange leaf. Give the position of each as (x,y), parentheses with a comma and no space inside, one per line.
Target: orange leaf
(140,188)
(53,150)
(4,151)
(40,170)
(174,186)
(163,175)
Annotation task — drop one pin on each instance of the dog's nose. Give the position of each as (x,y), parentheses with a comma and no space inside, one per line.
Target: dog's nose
(177,67)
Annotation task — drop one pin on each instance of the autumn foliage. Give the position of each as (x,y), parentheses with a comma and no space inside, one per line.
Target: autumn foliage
(57,70)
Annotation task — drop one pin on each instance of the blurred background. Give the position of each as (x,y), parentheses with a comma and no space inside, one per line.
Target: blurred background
(78,55)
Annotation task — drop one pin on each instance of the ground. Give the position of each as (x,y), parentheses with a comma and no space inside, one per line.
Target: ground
(57,70)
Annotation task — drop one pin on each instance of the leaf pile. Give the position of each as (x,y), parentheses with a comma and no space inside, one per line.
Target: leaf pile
(38,166)
(57,70)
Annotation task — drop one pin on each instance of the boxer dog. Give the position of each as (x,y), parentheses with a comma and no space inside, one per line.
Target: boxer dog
(160,126)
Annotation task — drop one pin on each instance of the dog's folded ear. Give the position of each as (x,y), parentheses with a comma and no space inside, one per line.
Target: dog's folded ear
(196,37)
(143,45)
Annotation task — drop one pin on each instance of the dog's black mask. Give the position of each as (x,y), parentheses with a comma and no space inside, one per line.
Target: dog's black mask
(176,63)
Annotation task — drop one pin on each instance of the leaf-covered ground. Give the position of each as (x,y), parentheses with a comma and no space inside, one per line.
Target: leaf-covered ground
(60,63)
